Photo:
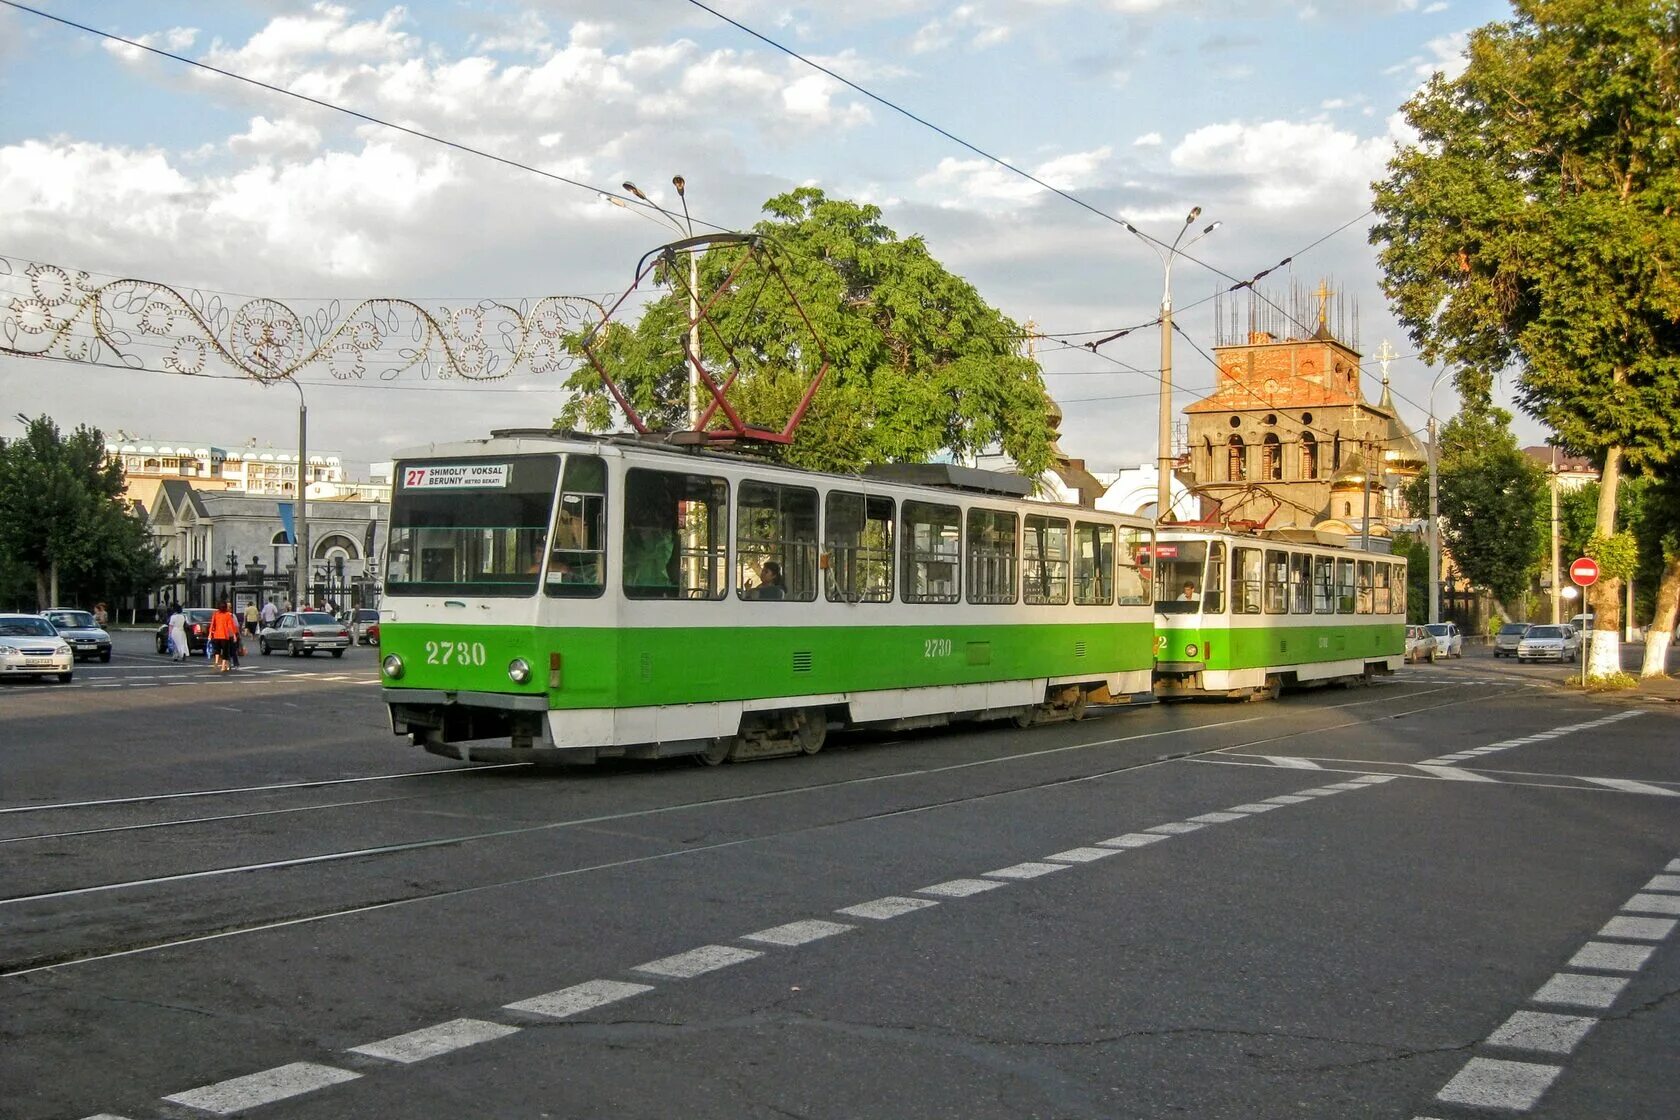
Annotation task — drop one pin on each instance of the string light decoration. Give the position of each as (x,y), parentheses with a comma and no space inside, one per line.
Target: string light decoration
(56,312)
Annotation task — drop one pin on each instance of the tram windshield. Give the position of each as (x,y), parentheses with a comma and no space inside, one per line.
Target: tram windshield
(1180,576)
(475,527)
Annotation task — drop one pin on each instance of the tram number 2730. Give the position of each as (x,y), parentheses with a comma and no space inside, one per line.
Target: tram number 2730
(455,653)
(936,647)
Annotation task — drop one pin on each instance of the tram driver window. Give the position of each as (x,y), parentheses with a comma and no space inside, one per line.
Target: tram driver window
(1246,573)
(932,544)
(776,542)
(858,537)
(577,546)
(675,535)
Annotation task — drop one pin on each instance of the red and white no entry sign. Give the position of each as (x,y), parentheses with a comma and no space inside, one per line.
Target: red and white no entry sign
(1584,571)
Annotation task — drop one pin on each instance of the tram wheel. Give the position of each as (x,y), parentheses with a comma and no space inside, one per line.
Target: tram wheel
(810,730)
(1270,690)
(717,752)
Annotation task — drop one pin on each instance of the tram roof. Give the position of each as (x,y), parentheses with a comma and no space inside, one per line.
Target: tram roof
(927,476)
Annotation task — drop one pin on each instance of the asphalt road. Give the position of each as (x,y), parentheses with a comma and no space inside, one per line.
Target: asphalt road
(1449,893)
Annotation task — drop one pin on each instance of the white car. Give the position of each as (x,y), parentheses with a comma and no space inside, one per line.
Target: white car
(1448,639)
(30,646)
(1549,643)
(1420,645)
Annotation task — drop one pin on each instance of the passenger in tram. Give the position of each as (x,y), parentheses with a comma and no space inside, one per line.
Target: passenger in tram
(647,556)
(1189,593)
(770,585)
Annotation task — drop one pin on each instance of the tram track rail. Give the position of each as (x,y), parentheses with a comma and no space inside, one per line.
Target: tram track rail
(46,961)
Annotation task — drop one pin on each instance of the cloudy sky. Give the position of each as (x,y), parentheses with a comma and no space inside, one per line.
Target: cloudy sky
(1272,115)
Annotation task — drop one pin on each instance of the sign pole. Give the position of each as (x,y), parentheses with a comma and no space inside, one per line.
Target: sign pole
(1583,572)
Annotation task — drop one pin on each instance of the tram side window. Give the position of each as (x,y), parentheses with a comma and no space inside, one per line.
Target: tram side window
(1364,600)
(1381,600)
(1245,580)
(1398,588)
(775,542)
(1277,581)
(932,549)
(1131,579)
(1214,601)
(577,548)
(1093,564)
(676,539)
(1300,583)
(1344,586)
(858,534)
(1324,585)
(1045,558)
(991,556)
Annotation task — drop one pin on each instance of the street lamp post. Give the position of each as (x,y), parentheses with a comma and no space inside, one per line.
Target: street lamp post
(1163,486)
(686,226)
(1434,512)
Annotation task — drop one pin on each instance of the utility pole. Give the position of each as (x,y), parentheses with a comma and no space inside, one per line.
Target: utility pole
(1557,591)
(1434,529)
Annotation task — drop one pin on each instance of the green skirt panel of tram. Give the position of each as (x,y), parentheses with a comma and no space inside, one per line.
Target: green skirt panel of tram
(629,668)
(1254,647)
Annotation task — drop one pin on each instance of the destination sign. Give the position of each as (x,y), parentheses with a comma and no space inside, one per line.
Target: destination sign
(456,476)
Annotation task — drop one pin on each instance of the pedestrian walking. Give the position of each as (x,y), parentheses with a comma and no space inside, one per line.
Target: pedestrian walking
(101,616)
(252,617)
(270,613)
(177,632)
(224,632)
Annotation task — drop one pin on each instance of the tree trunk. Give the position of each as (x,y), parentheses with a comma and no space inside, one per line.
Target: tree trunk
(1662,624)
(1606,657)
(42,590)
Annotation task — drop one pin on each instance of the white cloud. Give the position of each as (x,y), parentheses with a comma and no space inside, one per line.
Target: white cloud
(285,136)
(983,184)
(966,25)
(1284,164)
(1148,140)
(176,39)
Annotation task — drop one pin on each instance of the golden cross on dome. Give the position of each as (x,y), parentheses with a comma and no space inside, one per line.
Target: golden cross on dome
(1323,295)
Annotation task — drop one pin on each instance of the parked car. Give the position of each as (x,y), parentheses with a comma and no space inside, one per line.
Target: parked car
(1420,644)
(86,637)
(30,647)
(367,619)
(1505,642)
(198,631)
(1549,643)
(1448,639)
(301,632)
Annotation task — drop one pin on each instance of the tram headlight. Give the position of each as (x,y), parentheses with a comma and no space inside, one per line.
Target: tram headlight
(519,670)
(1192,650)
(393,666)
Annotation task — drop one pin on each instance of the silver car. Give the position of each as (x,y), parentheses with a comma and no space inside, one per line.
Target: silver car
(30,647)
(86,637)
(1549,643)
(1505,642)
(301,632)
(1449,640)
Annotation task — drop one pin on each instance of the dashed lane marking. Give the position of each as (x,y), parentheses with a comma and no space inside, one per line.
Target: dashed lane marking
(1533,737)
(1176,828)
(1574,989)
(1495,1083)
(1629,786)
(1217,818)
(1083,855)
(1543,1031)
(1290,762)
(429,1042)
(1639,929)
(1652,904)
(960,888)
(236,1095)
(1609,957)
(881,909)
(579,998)
(1452,774)
(697,962)
(797,933)
(1032,869)
(1663,883)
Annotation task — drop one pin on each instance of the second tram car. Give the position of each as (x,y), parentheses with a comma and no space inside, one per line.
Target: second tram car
(574,597)
(1249,614)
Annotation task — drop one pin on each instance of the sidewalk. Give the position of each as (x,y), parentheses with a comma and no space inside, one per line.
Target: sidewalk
(1659,688)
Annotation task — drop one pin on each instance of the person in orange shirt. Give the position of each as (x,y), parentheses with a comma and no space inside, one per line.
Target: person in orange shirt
(224,633)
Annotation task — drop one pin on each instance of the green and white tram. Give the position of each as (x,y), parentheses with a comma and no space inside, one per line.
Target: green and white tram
(1248,614)
(569,597)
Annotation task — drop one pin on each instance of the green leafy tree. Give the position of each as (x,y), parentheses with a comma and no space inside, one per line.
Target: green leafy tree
(64,524)
(1416,552)
(921,365)
(1531,225)
(1492,498)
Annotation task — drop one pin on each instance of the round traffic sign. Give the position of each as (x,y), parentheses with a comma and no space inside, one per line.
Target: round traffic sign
(1584,571)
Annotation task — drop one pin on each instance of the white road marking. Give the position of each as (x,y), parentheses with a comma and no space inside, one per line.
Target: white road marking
(1321,791)
(240,1093)
(1633,787)
(1609,957)
(1290,762)
(1672,865)
(1348,785)
(1283,799)
(1452,773)
(1542,1031)
(579,998)
(1638,929)
(696,962)
(1218,818)
(1577,990)
(797,933)
(1175,828)
(1652,904)
(1083,855)
(429,1042)
(1031,869)
(960,888)
(1132,840)
(1492,1083)
(890,907)
(1254,807)
(105,1116)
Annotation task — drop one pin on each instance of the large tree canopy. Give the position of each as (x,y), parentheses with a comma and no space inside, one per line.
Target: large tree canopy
(1533,222)
(920,363)
(64,525)
(1492,500)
